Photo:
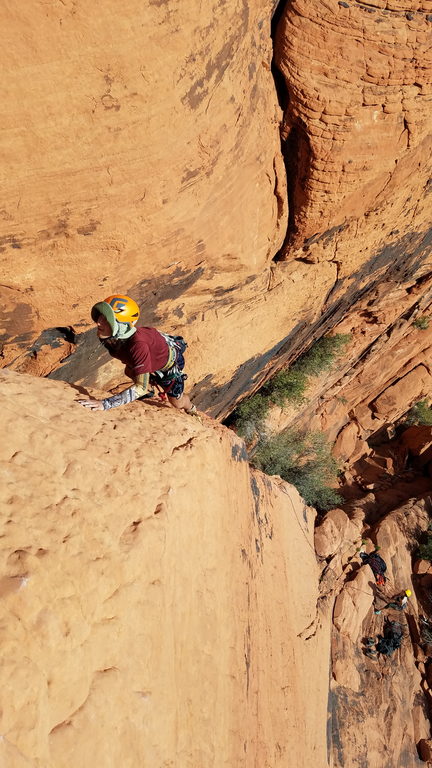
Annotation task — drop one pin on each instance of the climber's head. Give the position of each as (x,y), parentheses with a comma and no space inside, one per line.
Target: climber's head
(115,317)
(104,330)
(408,592)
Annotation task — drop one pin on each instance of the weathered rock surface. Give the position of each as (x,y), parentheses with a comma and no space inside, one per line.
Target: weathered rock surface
(384,370)
(378,704)
(358,79)
(147,571)
(133,159)
(158,596)
(167,180)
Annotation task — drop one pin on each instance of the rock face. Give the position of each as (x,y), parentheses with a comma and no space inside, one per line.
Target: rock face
(359,99)
(151,604)
(373,722)
(168,180)
(160,600)
(133,159)
(384,370)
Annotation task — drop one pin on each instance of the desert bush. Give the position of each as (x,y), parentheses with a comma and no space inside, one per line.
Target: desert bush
(303,460)
(425,549)
(323,354)
(420,413)
(287,386)
(250,416)
(421,322)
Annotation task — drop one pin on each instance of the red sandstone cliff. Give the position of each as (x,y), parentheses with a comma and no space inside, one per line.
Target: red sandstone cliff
(158,595)
(167,179)
(162,602)
(146,151)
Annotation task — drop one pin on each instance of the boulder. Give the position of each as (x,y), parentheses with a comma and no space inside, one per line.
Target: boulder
(394,400)
(425,749)
(422,566)
(417,439)
(352,605)
(346,441)
(331,532)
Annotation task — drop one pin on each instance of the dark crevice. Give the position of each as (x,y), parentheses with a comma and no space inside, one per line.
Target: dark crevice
(295,145)
(282,94)
(296,153)
(68,333)
(280,84)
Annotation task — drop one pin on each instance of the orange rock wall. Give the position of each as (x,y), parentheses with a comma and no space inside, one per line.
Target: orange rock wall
(379,706)
(358,80)
(384,369)
(130,158)
(158,596)
(150,580)
(158,169)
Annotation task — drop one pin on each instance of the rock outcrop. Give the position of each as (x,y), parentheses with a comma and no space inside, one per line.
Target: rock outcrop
(383,371)
(358,93)
(134,160)
(159,597)
(162,603)
(379,704)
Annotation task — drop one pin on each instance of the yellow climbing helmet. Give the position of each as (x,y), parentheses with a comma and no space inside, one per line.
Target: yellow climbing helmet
(408,592)
(125,309)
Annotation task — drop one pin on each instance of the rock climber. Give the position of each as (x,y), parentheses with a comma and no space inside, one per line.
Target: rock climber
(377,564)
(387,643)
(397,602)
(151,358)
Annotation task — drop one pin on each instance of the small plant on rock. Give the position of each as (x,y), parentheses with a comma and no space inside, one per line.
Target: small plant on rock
(425,549)
(303,460)
(323,354)
(250,416)
(421,322)
(420,413)
(287,386)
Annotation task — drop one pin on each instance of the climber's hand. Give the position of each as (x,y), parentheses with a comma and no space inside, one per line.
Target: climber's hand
(94,405)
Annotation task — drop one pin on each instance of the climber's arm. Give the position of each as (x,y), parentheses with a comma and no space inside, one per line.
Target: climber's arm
(140,388)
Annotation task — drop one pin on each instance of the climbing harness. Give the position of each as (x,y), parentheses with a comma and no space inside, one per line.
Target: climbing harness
(169,380)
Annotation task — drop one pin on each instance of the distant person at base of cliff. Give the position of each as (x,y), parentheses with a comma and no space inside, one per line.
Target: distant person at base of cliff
(151,358)
(376,563)
(397,603)
(387,643)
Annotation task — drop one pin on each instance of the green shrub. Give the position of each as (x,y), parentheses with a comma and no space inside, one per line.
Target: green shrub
(303,460)
(323,354)
(287,386)
(421,322)
(420,413)
(250,416)
(425,549)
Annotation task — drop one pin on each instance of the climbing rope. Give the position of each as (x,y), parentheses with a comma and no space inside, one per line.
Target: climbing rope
(298,521)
